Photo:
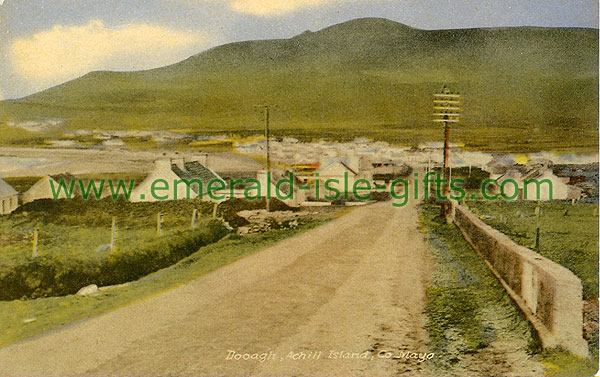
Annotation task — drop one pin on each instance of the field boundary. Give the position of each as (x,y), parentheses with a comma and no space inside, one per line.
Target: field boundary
(549,294)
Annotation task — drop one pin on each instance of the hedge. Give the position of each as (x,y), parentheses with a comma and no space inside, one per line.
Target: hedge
(50,275)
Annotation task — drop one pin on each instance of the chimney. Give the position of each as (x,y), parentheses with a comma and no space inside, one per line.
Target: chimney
(179,162)
(162,164)
(203,159)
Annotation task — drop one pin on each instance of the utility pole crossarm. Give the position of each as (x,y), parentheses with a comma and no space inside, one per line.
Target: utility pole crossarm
(446,95)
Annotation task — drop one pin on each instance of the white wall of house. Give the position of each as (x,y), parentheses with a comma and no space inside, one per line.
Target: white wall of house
(336,171)
(143,193)
(298,197)
(558,191)
(574,192)
(8,204)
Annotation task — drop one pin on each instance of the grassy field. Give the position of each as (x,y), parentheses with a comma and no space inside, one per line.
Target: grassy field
(74,243)
(21,319)
(568,233)
(468,311)
(74,228)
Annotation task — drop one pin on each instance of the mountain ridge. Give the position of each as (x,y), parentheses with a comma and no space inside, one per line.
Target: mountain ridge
(364,74)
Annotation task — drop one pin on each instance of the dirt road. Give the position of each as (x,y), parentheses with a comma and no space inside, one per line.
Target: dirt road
(354,286)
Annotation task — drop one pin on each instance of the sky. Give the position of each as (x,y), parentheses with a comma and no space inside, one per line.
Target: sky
(46,42)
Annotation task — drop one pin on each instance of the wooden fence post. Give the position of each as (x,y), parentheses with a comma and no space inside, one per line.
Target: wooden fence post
(194,215)
(159,224)
(113,232)
(538,210)
(36,241)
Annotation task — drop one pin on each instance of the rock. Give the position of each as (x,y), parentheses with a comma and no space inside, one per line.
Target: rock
(103,248)
(86,291)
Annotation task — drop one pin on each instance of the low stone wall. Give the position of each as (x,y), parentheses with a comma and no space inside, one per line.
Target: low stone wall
(549,294)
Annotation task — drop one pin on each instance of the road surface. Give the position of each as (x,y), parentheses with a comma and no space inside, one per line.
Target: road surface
(355,286)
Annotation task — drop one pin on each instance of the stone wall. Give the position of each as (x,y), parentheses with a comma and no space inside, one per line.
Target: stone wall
(549,294)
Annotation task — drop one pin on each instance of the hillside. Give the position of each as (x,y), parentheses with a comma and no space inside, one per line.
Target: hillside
(524,88)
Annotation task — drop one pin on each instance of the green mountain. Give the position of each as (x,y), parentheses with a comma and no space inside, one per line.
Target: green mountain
(524,88)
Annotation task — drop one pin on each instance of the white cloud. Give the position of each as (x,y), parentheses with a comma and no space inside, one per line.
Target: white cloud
(275,7)
(66,52)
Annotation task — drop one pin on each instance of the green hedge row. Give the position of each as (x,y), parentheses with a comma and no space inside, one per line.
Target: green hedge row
(51,275)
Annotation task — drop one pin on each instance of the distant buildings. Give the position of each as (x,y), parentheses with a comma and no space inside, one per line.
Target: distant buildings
(581,176)
(342,164)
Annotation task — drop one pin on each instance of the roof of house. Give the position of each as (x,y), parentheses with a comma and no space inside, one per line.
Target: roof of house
(572,170)
(521,173)
(514,172)
(66,177)
(349,168)
(195,170)
(391,170)
(333,161)
(541,172)
(6,189)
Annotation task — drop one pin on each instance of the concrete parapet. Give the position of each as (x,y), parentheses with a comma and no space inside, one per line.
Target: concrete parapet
(549,294)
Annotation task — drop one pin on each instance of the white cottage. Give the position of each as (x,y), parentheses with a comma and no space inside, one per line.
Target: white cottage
(337,171)
(167,181)
(52,187)
(527,183)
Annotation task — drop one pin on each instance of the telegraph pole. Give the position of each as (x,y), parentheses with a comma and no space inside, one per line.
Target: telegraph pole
(267,119)
(267,136)
(446,111)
